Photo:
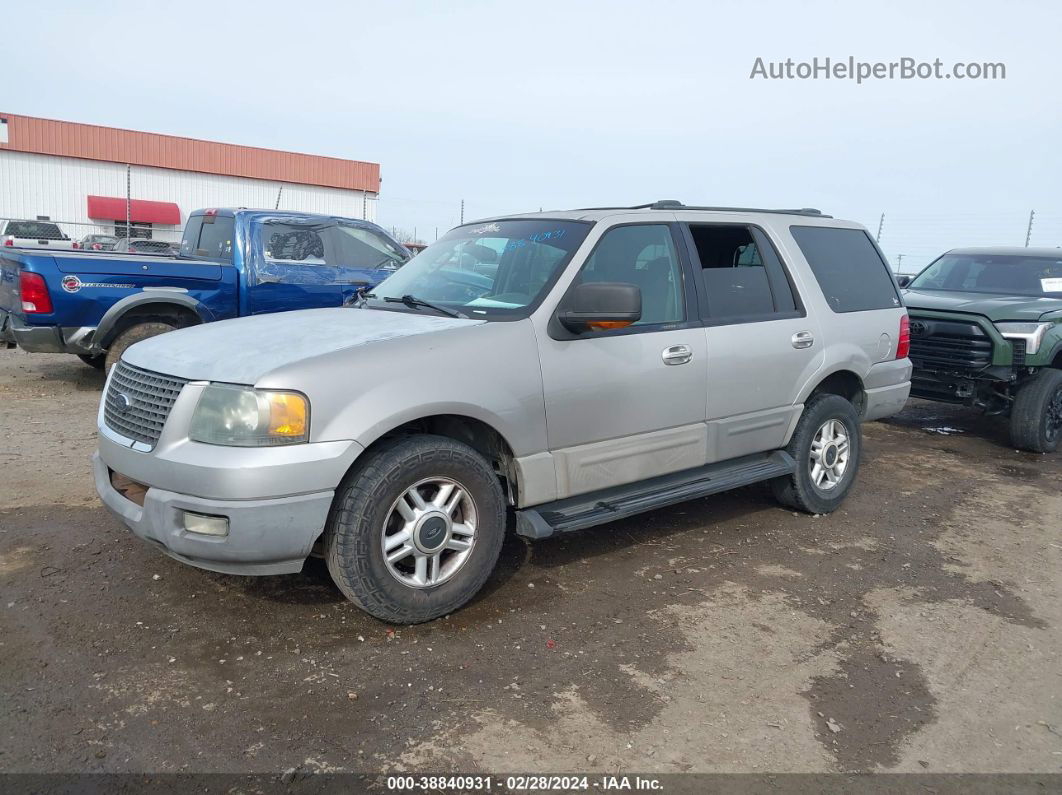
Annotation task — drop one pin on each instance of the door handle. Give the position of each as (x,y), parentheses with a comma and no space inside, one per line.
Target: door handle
(803,339)
(677,354)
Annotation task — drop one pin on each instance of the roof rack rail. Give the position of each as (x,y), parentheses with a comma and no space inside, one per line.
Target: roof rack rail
(672,204)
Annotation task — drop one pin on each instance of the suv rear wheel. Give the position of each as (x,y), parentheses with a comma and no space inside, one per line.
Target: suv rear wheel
(415,529)
(826,447)
(1036,416)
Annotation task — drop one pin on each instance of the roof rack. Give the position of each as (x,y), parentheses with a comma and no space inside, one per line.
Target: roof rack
(672,204)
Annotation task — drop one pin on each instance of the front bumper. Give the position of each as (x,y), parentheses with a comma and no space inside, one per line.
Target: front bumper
(266,536)
(887,387)
(45,339)
(276,499)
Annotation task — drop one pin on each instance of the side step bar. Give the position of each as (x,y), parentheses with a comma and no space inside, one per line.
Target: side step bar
(608,505)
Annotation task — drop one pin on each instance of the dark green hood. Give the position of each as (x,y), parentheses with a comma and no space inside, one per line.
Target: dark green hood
(994,307)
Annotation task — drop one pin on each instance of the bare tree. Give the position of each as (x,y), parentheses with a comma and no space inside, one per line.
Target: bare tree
(403,235)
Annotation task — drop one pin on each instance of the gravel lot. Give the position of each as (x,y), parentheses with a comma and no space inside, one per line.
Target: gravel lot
(916,630)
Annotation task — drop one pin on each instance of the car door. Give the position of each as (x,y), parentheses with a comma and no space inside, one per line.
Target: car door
(761,343)
(628,404)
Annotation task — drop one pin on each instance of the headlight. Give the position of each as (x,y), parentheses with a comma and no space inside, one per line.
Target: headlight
(240,416)
(1032,333)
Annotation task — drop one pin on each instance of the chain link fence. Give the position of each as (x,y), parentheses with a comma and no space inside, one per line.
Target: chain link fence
(103,236)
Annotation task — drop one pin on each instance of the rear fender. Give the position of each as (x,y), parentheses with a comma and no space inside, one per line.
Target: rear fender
(111,321)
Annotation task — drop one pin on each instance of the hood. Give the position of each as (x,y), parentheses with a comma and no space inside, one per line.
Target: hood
(241,351)
(994,307)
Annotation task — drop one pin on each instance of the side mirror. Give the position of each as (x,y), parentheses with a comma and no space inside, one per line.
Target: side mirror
(903,281)
(600,306)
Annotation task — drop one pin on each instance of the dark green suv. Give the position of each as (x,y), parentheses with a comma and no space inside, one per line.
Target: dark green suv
(986,331)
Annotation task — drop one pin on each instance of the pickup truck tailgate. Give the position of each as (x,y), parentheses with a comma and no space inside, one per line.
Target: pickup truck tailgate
(9,286)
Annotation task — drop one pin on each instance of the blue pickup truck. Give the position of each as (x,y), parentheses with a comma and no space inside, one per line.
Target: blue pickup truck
(231,263)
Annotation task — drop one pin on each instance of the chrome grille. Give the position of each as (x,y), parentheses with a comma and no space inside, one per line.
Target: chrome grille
(138,402)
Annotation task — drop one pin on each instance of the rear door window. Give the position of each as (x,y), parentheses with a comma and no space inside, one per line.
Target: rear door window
(848,267)
(742,277)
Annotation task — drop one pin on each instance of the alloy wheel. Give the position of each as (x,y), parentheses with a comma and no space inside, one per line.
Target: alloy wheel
(830,451)
(429,532)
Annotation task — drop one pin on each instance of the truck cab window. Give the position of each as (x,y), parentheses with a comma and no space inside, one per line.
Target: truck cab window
(297,243)
(215,241)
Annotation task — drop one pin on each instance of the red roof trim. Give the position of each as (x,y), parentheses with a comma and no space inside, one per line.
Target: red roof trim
(91,142)
(113,209)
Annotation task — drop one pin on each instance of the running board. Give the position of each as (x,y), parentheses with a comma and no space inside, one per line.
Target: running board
(608,505)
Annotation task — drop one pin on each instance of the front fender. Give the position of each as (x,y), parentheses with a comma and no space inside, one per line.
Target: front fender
(148,296)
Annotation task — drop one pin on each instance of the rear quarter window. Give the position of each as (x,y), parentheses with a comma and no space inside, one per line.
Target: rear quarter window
(846,263)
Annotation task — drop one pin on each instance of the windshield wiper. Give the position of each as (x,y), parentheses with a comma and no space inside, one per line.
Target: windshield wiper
(413,302)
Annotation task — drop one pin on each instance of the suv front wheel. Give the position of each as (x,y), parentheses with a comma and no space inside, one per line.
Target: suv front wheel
(826,446)
(415,529)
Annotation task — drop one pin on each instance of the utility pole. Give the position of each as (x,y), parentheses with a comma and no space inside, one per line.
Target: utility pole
(279,191)
(365,205)
(128,199)
(881,224)
(462,210)
(899,264)
(1028,231)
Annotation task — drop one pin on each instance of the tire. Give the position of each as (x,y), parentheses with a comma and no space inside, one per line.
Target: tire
(366,515)
(1036,416)
(133,334)
(96,360)
(800,490)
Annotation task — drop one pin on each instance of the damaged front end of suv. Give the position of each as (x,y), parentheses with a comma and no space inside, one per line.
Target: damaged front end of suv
(986,332)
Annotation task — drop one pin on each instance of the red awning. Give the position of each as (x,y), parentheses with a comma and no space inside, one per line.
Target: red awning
(113,209)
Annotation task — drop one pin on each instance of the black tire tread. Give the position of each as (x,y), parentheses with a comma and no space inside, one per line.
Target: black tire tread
(132,335)
(794,491)
(348,546)
(1027,428)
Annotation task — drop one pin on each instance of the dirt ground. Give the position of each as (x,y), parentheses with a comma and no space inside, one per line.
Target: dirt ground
(918,629)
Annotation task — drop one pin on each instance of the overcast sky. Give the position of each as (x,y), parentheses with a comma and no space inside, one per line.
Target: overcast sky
(516,106)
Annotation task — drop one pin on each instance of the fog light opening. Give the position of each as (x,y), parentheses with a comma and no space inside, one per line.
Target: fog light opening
(206,525)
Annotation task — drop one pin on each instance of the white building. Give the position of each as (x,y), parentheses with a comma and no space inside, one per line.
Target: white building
(80,176)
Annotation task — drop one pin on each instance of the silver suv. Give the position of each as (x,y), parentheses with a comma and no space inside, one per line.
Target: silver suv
(575,367)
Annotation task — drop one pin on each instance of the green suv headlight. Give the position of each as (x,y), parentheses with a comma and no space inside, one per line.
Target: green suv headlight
(1032,333)
(241,416)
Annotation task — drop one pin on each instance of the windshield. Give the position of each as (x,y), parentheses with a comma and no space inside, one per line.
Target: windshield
(497,270)
(1005,274)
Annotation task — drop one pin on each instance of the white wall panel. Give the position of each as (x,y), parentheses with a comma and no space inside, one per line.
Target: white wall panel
(32,185)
